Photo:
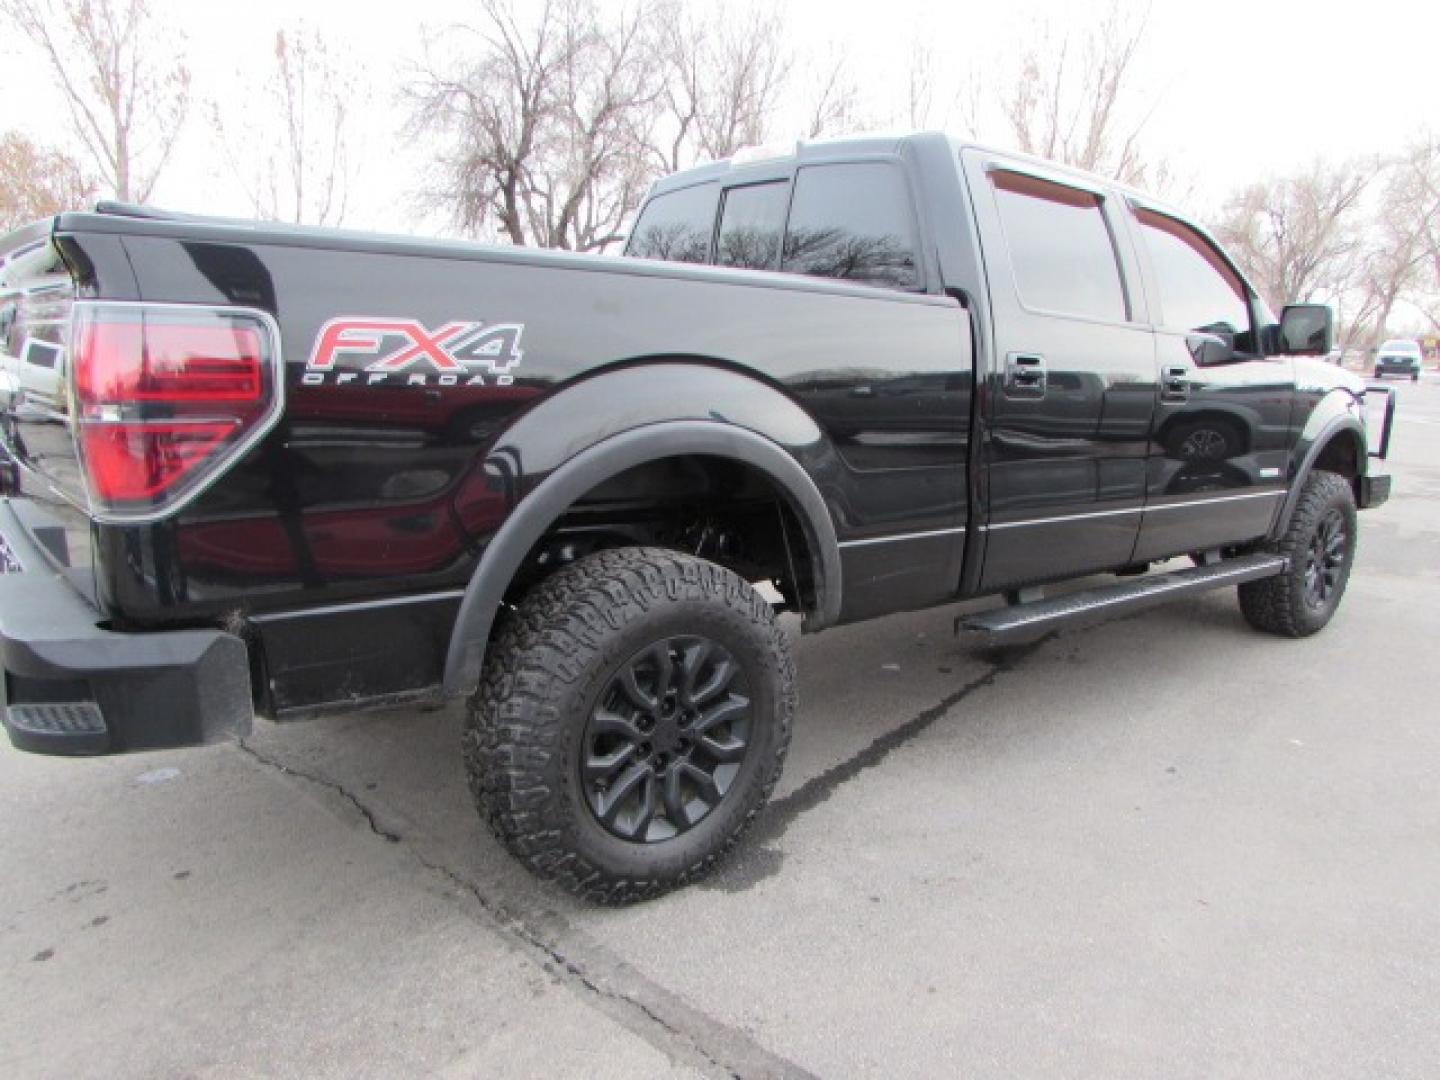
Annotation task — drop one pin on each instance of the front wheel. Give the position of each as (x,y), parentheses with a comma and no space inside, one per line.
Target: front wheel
(1319,546)
(632,719)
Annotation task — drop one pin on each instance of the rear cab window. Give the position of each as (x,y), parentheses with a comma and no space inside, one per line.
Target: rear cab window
(751,225)
(851,221)
(676,226)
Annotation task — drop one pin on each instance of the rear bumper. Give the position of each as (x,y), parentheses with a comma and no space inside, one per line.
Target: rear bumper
(72,687)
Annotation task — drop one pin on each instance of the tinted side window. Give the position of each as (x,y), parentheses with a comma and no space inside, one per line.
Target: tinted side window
(750,225)
(676,226)
(852,222)
(1060,247)
(1198,289)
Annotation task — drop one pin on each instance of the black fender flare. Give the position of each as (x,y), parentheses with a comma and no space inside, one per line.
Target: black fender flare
(534,514)
(1327,426)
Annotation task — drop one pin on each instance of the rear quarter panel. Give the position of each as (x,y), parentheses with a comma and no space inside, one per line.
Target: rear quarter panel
(374,488)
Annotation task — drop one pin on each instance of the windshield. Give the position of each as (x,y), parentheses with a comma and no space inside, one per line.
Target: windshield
(1400,346)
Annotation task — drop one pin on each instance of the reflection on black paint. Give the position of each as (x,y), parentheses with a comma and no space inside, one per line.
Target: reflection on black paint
(236,272)
(886,419)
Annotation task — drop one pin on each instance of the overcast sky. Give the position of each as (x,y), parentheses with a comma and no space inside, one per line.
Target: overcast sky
(1238,89)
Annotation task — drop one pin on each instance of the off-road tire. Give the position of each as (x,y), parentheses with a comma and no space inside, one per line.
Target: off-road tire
(555,655)
(1280,605)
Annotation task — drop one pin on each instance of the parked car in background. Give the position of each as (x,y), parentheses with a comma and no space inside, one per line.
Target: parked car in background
(1398,357)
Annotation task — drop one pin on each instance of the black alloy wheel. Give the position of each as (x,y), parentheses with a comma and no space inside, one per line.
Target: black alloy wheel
(1325,559)
(632,719)
(666,738)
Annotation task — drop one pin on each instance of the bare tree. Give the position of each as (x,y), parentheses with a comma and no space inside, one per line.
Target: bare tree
(1421,167)
(546,122)
(1298,236)
(723,73)
(940,95)
(36,182)
(920,96)
(126,91)
(1073,100)
(1400,252)
(1386,281)
(834,101)
(304,174)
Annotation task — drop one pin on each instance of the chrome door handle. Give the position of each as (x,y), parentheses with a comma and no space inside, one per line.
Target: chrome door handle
(1175,383)
(1025,375)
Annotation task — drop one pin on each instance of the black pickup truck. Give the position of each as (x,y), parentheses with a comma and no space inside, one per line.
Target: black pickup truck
(258,468)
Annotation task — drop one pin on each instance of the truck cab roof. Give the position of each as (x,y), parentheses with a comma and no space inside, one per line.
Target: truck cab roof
(803,152)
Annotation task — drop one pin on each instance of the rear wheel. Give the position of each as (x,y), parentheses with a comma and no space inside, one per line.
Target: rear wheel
(1320,548)
(633,718)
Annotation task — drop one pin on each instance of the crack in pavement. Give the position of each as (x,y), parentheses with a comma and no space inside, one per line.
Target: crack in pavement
(748,1060)
(643,1006)
(685,1033)
(782,813)
(340,789)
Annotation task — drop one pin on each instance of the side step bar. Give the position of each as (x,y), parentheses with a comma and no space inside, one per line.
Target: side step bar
(1028,621)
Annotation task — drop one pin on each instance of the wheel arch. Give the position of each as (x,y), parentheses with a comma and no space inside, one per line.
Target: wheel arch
(1334,440)
(552,457)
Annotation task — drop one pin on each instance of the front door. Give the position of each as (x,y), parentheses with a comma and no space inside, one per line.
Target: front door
(1221,445)
(1071,398)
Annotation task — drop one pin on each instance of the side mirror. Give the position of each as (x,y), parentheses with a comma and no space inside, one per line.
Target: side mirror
(1306,330)
(1209,350)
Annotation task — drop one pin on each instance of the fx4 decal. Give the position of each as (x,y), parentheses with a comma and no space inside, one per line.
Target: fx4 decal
(391,352)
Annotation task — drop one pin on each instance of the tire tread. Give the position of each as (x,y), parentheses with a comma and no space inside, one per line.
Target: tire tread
(1276,604)
(514,729)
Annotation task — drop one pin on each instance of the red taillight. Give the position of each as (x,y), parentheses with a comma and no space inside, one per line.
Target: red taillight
(165,397)
(169,363)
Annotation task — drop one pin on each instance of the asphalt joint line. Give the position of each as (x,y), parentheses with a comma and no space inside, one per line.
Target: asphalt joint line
(553,960)
(571,970)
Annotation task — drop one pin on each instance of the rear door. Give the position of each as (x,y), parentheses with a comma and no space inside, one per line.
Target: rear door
(1071,405)
(1221,442)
